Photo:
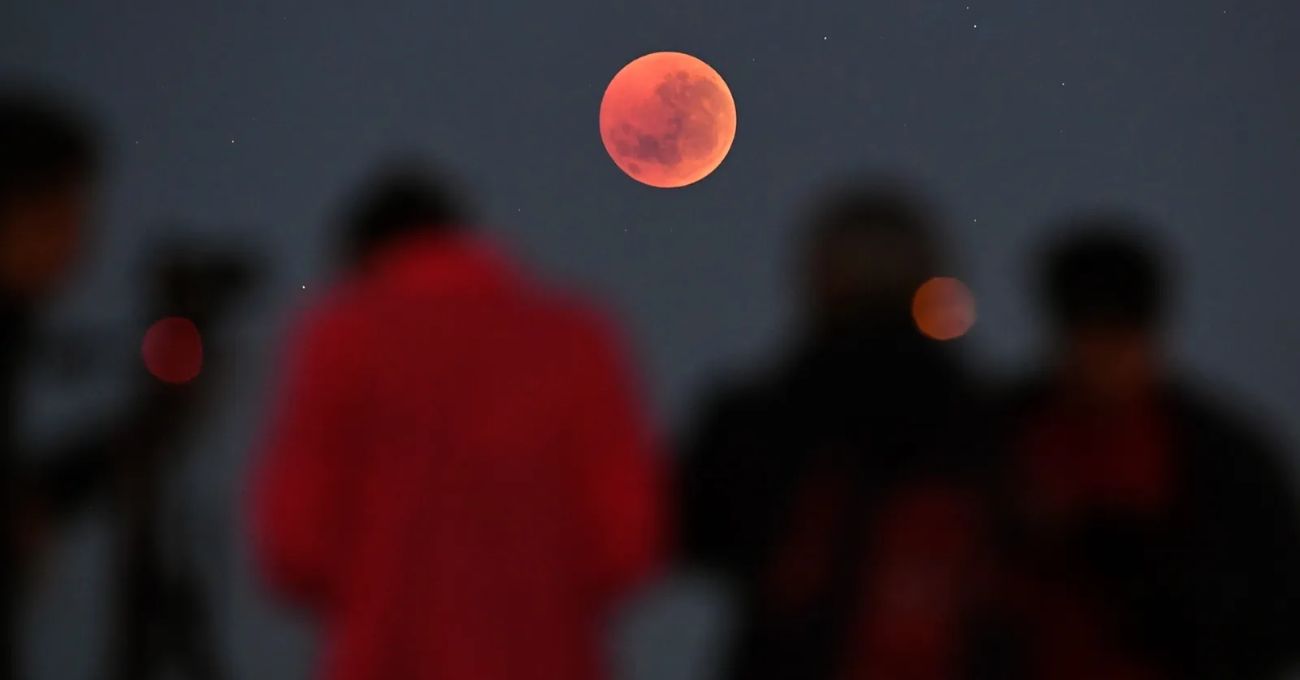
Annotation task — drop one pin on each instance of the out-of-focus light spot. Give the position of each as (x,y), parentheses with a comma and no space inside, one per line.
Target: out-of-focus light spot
(943,308)
(173,350)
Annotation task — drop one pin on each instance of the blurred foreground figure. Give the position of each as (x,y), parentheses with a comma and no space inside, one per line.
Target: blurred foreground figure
(834,493)
(160,624)
(459,482)
(47,173)
(1154,535)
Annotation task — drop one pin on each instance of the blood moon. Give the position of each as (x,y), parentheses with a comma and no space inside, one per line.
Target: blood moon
(667,119)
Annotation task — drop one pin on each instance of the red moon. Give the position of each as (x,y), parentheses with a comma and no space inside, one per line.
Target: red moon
(667,119)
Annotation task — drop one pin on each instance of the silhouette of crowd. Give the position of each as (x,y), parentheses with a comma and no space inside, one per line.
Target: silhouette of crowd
(460,480)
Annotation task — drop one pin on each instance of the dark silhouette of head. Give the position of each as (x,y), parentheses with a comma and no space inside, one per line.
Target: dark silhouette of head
(397,202)
(49,160)
(1104,286)
(870,246)
(1105,271)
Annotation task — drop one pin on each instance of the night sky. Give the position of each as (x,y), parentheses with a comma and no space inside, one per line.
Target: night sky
(248,120)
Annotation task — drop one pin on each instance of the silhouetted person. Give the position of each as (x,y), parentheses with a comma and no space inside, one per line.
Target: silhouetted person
(834,491)
(1154,532)
(459,481)
(48,175)
(48,161)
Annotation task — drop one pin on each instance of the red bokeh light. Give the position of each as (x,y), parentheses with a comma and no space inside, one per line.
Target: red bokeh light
(173,350)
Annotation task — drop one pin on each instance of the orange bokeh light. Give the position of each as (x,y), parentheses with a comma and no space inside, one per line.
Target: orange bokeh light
(943,308)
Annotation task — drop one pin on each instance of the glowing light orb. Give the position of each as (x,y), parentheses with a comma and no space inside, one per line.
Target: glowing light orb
(667,119)
(943,308)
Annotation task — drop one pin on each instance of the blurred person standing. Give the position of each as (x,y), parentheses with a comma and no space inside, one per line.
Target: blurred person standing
(837,493)
(48,163)
(1153,532)
(460,481)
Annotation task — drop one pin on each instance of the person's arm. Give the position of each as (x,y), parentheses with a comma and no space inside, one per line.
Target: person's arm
(619,473)
(299,483)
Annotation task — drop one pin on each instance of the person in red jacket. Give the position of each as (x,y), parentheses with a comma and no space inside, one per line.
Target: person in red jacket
(460,480)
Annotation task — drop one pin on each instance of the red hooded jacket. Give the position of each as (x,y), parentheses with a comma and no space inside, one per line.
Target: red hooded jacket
(459,480)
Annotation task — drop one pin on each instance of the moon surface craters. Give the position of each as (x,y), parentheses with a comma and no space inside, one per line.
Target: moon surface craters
(692,105)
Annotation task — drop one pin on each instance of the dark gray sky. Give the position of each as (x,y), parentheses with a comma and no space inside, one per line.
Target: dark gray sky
(252,117)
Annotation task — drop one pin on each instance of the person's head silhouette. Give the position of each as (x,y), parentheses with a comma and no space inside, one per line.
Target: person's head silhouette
(870,246)
(400,200)
(48,163)
(1104,288)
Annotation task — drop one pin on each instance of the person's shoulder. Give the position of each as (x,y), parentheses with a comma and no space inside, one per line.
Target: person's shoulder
(578,328)
(1216,416)
(339,311)
(739,391)
(738,398)
(574,310)
(577,316)
(1230,448)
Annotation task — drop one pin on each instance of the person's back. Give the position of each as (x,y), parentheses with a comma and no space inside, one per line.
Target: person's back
(1151,532)
(460,482)
(834,494)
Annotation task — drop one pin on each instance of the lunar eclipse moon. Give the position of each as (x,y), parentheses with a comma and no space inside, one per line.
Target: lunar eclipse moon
(667,119)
